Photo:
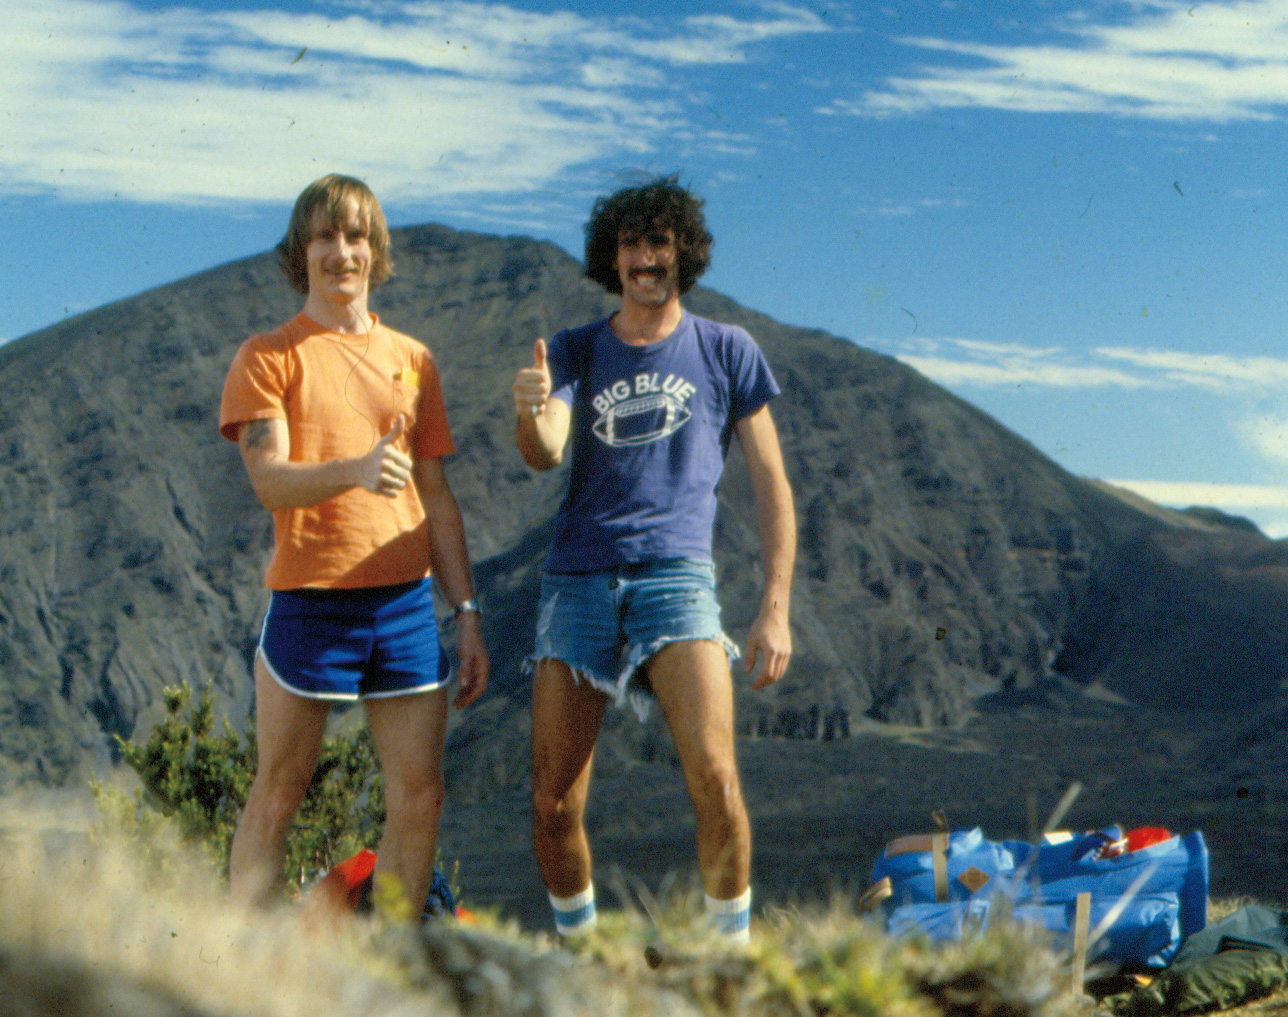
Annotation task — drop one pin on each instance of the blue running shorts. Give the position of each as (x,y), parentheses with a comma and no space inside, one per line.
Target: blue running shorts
(354,644)
(606,625)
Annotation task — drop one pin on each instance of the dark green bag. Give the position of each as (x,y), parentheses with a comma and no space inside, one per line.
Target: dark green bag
(1242,957)
(1215,983)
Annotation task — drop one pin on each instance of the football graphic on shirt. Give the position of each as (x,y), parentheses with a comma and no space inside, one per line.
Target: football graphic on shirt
(641,420)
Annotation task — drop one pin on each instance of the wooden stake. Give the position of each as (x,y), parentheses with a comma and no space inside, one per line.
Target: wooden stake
(1081,926)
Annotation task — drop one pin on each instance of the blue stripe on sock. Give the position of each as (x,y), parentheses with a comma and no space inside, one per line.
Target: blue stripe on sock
(575,918)
(731,923)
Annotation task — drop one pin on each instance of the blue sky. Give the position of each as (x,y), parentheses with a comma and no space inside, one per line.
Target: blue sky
(1071,214)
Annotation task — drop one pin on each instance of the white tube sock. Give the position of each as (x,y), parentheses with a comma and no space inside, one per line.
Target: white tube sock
(731,918)
(575,915)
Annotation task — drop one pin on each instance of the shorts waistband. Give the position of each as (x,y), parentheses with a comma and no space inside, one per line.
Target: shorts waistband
(635,567)
(352,593)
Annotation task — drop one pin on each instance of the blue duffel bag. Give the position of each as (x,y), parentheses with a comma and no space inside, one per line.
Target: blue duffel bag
(1142,903)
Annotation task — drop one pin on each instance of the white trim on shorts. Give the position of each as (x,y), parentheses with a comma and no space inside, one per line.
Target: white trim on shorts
(342,697)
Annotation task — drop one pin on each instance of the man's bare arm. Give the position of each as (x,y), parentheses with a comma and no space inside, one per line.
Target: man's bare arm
(450,563)
(542,428)
(770,635)
(279,483)
(541,438)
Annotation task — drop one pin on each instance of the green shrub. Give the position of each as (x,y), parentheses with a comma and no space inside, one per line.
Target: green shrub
(198,774)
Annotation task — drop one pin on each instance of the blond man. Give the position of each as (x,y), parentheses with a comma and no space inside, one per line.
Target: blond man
(342,428)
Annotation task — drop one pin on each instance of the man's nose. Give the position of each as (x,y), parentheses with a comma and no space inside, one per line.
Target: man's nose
(342,250)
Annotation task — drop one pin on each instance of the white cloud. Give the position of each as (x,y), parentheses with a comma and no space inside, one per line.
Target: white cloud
(985,348)
(1249,406)
(1174,61)
(423,99)
(973,362)
(1018,372)
(1267,434)
(1216,371)
(1224,496)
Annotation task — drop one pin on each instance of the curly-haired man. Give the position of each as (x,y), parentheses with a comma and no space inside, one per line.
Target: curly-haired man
(652,397)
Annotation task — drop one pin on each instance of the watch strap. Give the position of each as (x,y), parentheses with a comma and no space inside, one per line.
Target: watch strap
(466,606)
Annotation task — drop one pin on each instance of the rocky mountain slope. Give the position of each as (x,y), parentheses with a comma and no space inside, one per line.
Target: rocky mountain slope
(942,557)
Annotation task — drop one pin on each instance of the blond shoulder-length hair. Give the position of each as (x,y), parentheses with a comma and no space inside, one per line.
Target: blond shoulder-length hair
(330,195)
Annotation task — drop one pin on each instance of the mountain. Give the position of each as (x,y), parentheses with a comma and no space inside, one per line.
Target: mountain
(945,565)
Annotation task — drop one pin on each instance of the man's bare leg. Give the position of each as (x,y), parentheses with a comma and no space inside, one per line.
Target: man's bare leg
(694,688)
(288,737)
(565,723)
(409,732)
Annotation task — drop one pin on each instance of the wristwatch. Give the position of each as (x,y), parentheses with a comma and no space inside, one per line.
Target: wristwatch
(467,606)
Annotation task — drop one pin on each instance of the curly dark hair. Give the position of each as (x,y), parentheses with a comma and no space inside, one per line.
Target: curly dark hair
(633,212)
(330,195)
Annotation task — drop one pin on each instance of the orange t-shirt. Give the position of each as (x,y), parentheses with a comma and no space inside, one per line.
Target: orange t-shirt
(339,394)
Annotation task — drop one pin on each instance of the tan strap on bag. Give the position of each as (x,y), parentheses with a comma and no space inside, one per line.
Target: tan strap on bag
(908,844)
(939,865)
(875,894)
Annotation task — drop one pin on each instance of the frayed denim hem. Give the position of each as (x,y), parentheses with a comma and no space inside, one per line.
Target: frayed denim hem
(641,653)
(626,688)
(615,690)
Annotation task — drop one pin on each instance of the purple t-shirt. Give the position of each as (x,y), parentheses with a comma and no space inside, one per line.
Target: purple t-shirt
(650,429)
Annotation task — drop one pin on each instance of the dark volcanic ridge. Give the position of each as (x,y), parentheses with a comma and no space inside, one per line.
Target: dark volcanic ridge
(947,569)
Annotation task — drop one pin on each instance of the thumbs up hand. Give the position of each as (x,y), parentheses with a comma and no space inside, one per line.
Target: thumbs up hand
(385,470)
(532,384)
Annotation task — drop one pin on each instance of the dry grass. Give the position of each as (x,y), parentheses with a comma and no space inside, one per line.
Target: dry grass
(160,917)
(811,961)
(77,902)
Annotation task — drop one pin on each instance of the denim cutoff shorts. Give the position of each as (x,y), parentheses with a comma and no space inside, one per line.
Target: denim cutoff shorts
(365,643)
(606,625)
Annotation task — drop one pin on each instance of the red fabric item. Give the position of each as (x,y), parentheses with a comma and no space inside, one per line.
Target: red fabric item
(340,888)
(354,871)
(1144,836)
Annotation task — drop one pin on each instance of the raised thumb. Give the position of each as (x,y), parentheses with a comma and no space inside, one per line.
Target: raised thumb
(395,431)
(539,354)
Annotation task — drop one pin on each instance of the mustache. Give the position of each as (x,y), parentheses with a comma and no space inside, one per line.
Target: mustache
(655,270)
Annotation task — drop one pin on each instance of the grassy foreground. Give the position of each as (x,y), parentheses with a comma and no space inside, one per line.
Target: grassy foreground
(96,922)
